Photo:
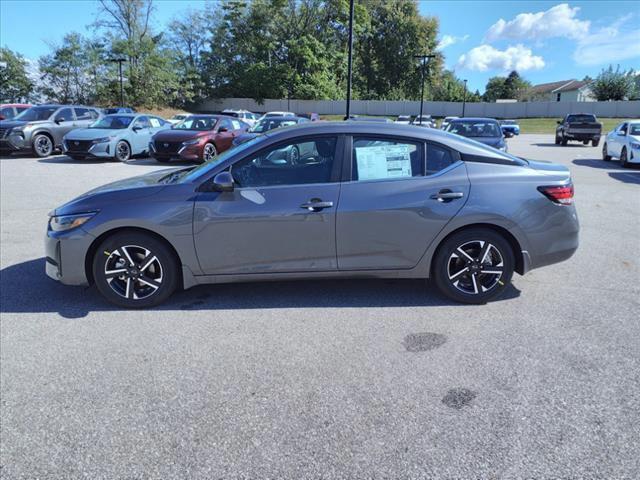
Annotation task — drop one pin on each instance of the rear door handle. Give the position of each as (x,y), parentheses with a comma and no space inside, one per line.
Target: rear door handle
(446,195)
(315,205)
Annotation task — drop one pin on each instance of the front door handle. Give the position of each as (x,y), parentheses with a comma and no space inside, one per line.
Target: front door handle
(446,195)
(316,205)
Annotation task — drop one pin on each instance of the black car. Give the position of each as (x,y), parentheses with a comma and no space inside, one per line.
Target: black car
(268,123)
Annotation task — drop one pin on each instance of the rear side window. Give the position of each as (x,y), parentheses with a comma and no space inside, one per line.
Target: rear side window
(438,158)
(385,159)
(7,112)
(236,124)
(581,118)
(156,122)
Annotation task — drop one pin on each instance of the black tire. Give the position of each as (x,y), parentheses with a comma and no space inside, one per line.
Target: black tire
(564,142)
(605,154)
(209,151)
(450,266)
(623,158)
(558,140)
(585,142)
(123,151)
(595,143)
(152,283)
(42,145)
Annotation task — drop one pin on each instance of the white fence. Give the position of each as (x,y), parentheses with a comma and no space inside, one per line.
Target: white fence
(626,109)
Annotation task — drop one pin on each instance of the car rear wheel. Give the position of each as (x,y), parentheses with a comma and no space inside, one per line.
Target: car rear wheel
(595,143)
(605,153)
(123,151)
(42,145)
(135,270)
(209,152)
(473,266)
(623,158)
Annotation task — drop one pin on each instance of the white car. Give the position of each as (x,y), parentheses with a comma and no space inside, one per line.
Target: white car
(403,119)
(245,115)
(623,143)
(446,121)
(177,118)
(278,114)
(427,121)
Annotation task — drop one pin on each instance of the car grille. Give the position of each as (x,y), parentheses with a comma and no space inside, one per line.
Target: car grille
(167,147)
(78,145)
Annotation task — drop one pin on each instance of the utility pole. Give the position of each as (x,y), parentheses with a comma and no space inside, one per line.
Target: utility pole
(350,58)
(424,64)
(464,97)
(120,61)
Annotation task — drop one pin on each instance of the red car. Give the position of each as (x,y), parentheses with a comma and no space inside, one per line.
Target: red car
(197,138)
(10,110)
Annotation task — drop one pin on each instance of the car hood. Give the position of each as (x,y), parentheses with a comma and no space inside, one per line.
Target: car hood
(172,135)
(92,133)
(13,123)
(120,191)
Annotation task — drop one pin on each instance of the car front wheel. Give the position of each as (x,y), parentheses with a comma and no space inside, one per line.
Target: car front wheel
(623,158)
(135,270)
(123,151)
(42,145)
(473,266)
(605,153)
(209,152)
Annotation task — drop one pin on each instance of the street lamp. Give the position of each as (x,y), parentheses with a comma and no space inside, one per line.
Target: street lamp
(350,58)
(464,97)
(120,61)
(424,64)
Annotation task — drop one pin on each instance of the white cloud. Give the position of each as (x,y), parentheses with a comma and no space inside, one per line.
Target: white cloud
(558,21)
(610,44)
(485,57)
(449,40)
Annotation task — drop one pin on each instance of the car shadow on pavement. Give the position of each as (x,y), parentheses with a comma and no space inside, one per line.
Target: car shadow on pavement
(626,177)
(24,288)
(561,146)
(598,163)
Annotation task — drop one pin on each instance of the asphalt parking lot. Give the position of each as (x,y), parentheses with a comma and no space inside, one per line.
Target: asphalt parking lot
(331,379)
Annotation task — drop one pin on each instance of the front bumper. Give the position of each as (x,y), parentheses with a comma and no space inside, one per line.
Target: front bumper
(82,150)
(186,152)
(14,142)
(65,254)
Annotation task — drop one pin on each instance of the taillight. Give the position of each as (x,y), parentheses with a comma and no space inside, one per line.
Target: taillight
(562,195)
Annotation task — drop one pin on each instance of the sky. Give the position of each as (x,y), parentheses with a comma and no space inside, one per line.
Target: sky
(545,41)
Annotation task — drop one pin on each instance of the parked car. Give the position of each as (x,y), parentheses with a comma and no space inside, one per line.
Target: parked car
(369,200)
(10,110)
(427,121)
(314,117)
(583,127)
(446,121)
(266,124)
(403,119)
(112,110)
(509,127)
(358,118)
(197,138)
(246,116)
(177,118)
(623,143)
(120,136)
(278,114)
(483,130)
(41,127)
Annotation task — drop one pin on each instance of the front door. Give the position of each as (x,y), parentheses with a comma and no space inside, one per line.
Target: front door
(64,123)
(280,217)
(396,203)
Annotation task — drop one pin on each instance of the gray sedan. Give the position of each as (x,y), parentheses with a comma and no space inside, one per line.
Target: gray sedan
(367,200)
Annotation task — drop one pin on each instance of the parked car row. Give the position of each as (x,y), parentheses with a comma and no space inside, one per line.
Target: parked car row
(623,143)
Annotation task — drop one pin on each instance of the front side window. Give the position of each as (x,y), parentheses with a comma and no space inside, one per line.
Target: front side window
(224,123)
(64,115)
(623,128)
(83,114)
(380,159)
(141,122)
(295,163)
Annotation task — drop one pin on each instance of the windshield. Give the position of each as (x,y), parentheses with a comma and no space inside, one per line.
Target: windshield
(477,128)
(270,123)
(113,122)
(34,114)
(197,123)
(581,118)
(634,129)
(198,171)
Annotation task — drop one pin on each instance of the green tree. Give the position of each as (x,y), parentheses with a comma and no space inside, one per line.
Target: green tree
(495,89)
(15,85)
(613,84)
(515,86)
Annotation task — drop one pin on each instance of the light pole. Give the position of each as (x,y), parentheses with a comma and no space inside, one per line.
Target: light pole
(464,97)
(120,61)
(424,64)
(350,59)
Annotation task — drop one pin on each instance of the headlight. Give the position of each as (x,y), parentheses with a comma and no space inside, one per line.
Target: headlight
(635,145)
(195,141)
(103,140)
(67,222)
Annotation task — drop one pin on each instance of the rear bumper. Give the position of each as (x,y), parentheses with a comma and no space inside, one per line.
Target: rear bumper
(582,136)
(559,240)
(65,254)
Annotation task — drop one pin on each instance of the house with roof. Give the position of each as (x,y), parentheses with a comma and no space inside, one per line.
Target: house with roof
(563,91)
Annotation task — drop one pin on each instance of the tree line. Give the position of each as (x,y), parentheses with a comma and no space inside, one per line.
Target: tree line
(247,48)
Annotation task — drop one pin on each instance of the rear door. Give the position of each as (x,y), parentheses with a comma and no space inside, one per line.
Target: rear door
(399,196)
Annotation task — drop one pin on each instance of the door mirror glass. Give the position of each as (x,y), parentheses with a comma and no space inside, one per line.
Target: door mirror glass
(223,182)
(223,129)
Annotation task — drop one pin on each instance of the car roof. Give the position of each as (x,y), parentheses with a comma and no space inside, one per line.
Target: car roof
(475,119)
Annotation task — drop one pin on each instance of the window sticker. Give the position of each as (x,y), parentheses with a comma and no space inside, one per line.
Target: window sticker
(383,161)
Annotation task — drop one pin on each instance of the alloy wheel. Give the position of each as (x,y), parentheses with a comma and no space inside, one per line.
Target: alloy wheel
(475,267)
(209,152)
(123,151)
(43,146)
(133,272)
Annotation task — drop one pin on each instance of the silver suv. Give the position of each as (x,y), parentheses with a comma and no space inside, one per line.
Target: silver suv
(41,128)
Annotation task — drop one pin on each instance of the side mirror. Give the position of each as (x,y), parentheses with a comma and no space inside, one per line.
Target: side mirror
(223,129)
(559,122)
(136,128)
(622,133)
(58,121)
(223,182)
